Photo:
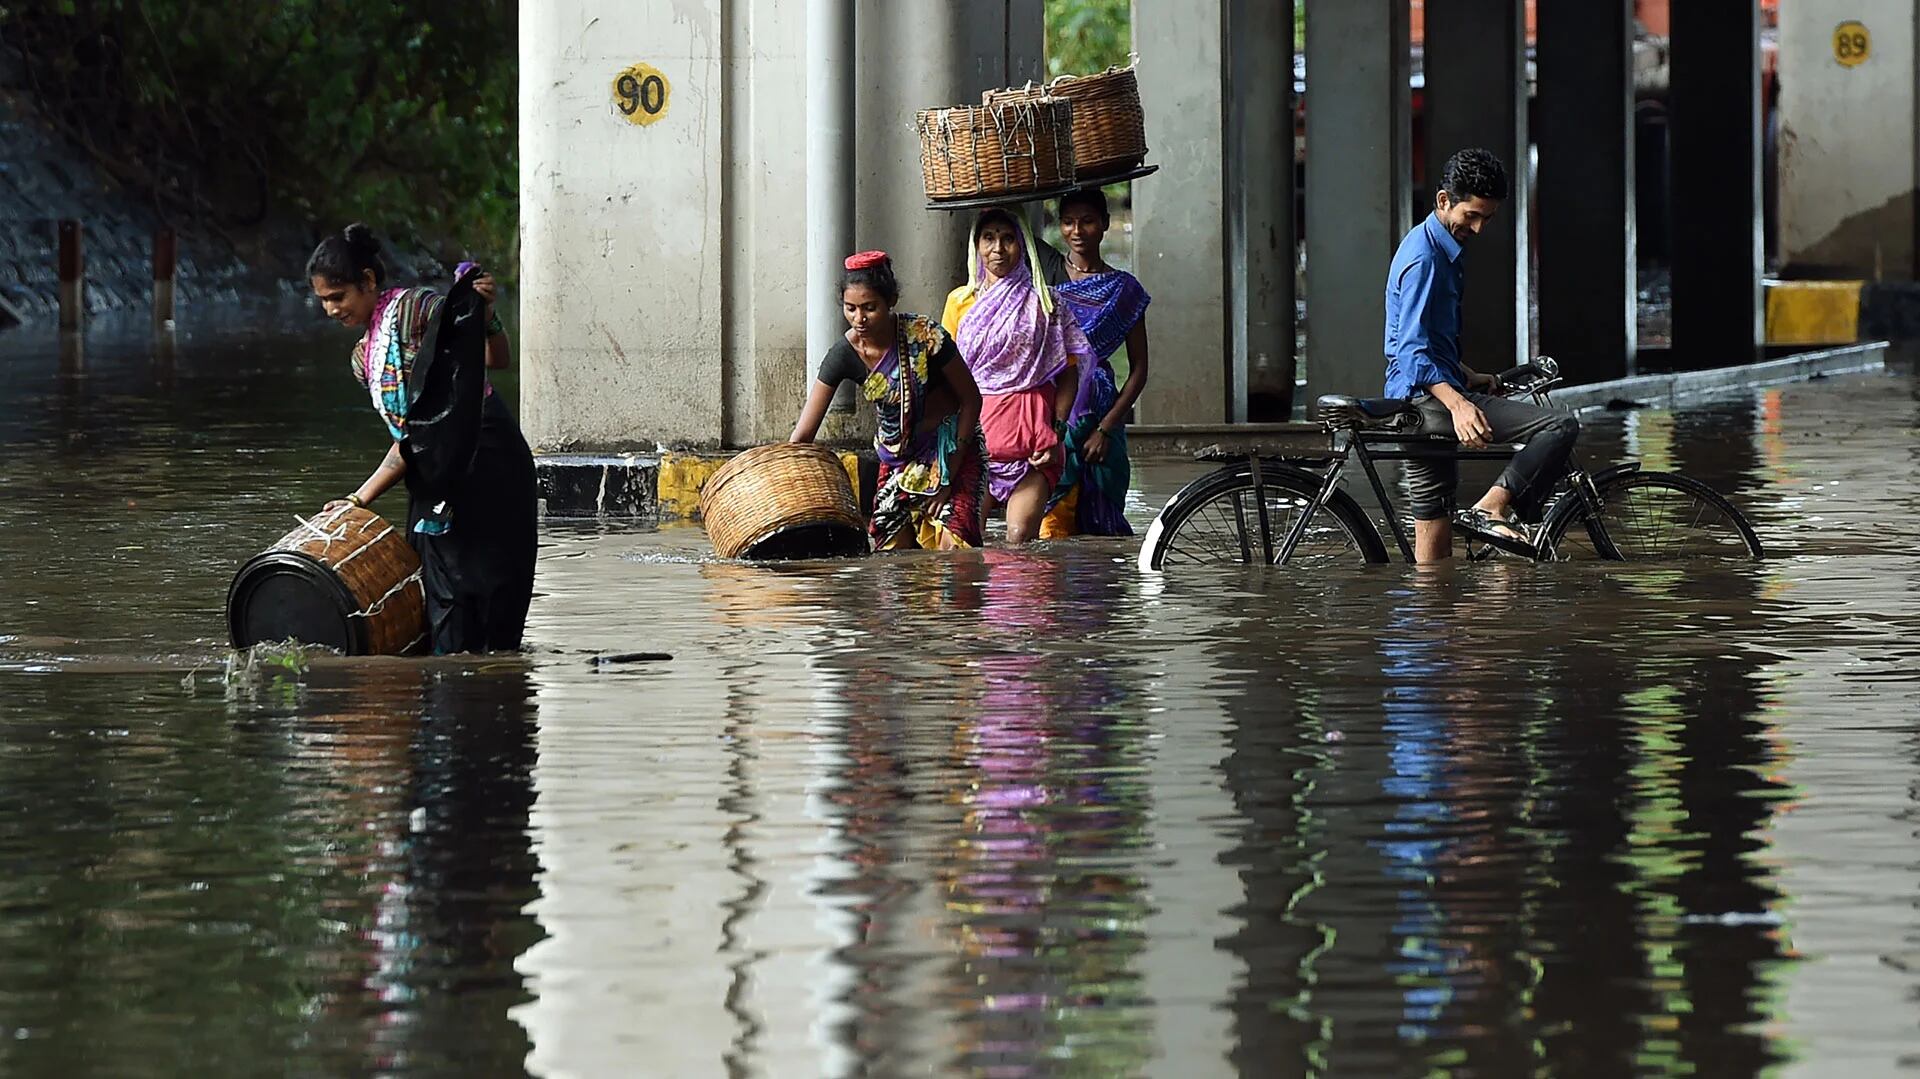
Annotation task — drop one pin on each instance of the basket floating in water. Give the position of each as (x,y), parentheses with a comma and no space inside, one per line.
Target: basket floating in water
(784,500)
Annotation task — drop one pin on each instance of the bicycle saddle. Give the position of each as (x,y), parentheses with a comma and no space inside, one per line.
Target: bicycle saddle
(1340,412)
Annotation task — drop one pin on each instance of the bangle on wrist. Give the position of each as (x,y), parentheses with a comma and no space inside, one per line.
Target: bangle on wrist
(357,500)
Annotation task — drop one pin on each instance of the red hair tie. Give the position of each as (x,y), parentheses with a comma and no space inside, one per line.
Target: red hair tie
(865,260)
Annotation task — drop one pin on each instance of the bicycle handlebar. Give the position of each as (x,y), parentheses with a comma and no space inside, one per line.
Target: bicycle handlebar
(1528,378)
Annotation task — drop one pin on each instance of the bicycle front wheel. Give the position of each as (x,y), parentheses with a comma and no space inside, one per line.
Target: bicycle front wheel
(1216,520)
(1653,516)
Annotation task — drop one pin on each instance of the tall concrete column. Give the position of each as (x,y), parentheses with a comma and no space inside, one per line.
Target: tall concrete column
(1476,95)
(1213,229)
(1585,216)
(1714,105)
(1259,204)
(1358,186)
(1180,213)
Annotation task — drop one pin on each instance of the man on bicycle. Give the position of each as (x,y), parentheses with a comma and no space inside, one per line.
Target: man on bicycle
(1424,366)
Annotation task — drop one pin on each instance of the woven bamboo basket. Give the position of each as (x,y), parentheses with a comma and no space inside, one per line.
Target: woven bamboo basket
(1109,128)
(783,500)
(1009,148)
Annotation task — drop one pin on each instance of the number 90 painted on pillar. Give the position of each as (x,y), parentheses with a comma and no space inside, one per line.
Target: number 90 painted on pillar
(641,94)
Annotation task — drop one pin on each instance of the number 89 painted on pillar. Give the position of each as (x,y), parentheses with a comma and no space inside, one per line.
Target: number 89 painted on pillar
(1852,44)
(640,94)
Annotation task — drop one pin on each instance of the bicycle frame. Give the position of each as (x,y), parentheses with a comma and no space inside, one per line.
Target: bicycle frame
(1370,447)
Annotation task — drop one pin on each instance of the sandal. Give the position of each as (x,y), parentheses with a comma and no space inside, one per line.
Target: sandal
(1506,533)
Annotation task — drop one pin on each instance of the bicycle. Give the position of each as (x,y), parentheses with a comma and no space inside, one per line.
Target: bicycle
(1289,509)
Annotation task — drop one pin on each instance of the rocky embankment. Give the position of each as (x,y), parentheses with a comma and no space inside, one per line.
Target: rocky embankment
(43,181)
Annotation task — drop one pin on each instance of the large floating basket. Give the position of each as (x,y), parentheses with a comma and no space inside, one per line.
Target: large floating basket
(346,580)
(783,500)
(1017,149)
(1109,128)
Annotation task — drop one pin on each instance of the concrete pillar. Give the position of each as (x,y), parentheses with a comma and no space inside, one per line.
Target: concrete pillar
(1180,213)
(1260,226)
(1213,229)
(1585,217)
(1846,139)
(1714,110)
(1476,95)
(663,250)
(1358,186)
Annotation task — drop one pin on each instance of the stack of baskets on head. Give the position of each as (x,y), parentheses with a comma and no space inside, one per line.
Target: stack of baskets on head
(783,500)
(1033,141)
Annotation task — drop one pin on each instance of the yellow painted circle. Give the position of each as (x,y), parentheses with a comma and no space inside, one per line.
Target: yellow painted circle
(641,94)
(1852,43)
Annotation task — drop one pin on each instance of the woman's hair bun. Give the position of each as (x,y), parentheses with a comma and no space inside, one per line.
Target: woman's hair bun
(360,237)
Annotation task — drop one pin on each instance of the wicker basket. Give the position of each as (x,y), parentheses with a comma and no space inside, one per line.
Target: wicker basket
(1109,128)
(783,500)
(1009,148)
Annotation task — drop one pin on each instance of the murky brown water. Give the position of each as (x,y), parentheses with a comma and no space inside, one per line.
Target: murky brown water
(1004,814)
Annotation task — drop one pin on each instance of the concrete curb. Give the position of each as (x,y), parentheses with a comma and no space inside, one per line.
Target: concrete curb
(666,485)
(651,486)
(1183,440)
(1667,388)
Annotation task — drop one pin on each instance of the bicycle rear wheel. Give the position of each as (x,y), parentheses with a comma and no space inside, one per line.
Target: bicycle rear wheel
(1652,516)
(1216,520)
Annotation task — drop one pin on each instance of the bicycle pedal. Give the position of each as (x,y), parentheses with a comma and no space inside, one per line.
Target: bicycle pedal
(1525,548)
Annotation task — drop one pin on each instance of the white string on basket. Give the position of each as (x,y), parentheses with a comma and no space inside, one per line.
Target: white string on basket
(380,604)
(325,537)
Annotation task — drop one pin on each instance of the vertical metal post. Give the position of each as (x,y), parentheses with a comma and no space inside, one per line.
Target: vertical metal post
(830,103)
(164,258)
(73,285)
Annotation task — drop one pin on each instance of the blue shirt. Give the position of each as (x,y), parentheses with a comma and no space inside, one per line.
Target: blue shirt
(1423,312)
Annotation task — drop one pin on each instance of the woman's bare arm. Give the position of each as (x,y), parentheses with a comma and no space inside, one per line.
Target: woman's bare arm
(812,413)
(392,468)
(499,351)
(1136,377)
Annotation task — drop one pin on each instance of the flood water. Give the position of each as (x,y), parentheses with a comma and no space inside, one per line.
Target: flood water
(1001,814)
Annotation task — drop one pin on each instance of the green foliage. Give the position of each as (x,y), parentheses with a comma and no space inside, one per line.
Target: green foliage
(398,112)
(1086,36)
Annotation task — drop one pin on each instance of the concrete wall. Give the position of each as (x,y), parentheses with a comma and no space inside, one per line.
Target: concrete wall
(663,294)
(1846,149)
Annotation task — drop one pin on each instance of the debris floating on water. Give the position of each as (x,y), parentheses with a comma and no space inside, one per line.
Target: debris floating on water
(628,657)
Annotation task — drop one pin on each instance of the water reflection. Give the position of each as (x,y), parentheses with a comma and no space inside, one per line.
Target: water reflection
(332,868)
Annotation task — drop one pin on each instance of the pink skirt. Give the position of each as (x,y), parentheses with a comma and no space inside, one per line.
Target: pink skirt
(1017,426)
